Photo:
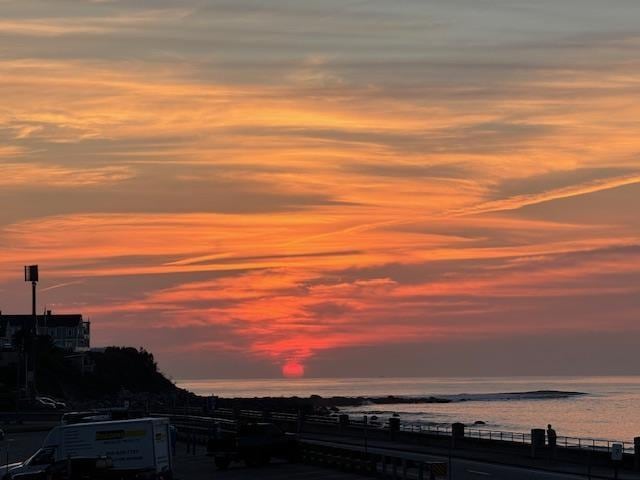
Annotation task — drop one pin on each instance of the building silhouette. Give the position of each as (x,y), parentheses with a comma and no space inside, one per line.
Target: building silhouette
(68,332)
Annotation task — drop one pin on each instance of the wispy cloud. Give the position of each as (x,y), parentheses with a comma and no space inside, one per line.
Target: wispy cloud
(327,175)
(519,201)
(61,285)
(63,26)
(17,174)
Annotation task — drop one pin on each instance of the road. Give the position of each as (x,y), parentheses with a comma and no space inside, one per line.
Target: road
(468,470)
(200,467)
(465,469)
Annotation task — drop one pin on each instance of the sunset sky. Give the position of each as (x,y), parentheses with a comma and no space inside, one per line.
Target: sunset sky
(347,187)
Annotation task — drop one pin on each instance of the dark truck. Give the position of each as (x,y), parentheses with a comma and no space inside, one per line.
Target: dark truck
(254,443)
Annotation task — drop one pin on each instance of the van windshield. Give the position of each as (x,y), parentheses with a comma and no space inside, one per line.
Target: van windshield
(44,456)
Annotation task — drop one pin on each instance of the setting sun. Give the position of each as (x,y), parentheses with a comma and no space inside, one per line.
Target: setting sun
(293,369)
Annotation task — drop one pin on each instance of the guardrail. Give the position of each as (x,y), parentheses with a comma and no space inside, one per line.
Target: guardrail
(431,429)
(379,462)
(588,444)
(31,416)
(197,430)
(594,444)
(320,419)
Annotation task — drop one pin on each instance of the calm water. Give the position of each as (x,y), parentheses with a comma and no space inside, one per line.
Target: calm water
(611,410)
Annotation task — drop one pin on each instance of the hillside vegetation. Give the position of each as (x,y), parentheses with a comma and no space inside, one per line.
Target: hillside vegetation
(108,377)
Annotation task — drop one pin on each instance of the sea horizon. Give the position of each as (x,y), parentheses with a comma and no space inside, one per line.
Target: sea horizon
(309,377)
(609,408)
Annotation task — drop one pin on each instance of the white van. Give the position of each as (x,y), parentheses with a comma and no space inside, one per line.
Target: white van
(135,446)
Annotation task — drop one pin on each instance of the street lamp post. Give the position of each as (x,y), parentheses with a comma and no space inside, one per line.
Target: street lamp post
(365,422)
(30,275)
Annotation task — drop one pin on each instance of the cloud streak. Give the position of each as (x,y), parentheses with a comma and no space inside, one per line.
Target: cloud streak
(260,184)
(20,174)
(519,201)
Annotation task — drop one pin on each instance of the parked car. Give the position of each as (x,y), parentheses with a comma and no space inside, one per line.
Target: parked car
(41,403)
(101,415)
(71,418)
(57,404)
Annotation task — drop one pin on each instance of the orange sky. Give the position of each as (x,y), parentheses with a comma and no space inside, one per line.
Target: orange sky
(244,187)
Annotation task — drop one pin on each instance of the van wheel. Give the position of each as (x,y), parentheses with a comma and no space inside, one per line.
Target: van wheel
(222,463)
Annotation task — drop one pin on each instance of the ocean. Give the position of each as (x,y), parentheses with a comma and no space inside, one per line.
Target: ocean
(610,409)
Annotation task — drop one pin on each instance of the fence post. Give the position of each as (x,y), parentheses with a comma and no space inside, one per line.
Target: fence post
(636,453)
(537,441)
(300,421)
(343,421)
(457,434)
(394,426)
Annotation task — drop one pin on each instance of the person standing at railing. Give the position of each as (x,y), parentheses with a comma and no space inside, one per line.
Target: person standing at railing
(552,439)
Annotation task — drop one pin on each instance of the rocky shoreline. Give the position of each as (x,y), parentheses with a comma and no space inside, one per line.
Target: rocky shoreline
(319,404)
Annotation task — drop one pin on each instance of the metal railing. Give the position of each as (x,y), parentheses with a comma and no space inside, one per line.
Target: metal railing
(427,428)
(595,444)
(374,461)
(226,415)
(512,437)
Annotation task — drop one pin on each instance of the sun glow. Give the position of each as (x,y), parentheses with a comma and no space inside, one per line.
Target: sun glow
(293,369)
